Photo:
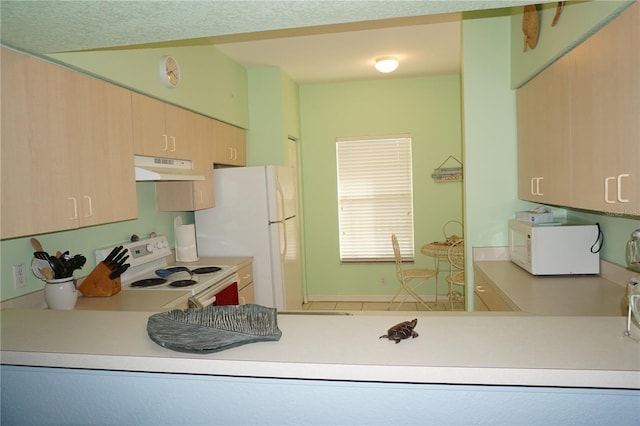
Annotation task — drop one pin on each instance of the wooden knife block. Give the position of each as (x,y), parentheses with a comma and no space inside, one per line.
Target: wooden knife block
(98,283)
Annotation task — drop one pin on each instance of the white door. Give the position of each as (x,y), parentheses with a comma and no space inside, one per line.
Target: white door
(286,192)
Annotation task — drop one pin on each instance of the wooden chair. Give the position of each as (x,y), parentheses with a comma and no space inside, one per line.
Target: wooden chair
(455,255)
(405,276)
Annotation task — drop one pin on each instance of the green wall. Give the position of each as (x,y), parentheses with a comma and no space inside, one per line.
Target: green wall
(212,84)
(426,107)
(490,148)
(274,115)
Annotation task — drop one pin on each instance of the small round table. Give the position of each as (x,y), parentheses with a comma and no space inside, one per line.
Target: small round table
(439,252)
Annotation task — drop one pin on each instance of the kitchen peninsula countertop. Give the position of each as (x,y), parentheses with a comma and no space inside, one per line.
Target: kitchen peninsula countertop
(454,348)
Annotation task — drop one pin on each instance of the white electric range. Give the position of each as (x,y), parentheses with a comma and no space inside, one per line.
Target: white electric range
(150,270)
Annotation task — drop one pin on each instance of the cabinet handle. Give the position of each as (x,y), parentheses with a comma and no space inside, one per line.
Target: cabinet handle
(75,208)
(173,144)
(533,191)
(606,190)
(538,186)
(622,200)
(166,142)
(90,204)
(230,153)
(536,190)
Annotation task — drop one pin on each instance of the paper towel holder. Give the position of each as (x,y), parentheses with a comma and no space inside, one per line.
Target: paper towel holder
(185,241)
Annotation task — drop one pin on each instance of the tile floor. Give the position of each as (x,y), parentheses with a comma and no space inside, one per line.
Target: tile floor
(377,306)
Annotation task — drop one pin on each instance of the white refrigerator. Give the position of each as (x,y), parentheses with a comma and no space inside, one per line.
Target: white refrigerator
(256,214)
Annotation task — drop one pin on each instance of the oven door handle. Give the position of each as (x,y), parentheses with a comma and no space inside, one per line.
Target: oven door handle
(207,297)
(207,302)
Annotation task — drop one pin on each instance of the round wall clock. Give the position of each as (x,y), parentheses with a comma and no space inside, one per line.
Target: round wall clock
(169,71)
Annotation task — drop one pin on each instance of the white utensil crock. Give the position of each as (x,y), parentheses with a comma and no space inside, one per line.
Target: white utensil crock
(61,293)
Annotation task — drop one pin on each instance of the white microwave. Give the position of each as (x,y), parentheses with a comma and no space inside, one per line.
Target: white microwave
(555,249)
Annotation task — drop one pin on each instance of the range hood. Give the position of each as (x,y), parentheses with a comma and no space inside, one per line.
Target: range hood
(164,169)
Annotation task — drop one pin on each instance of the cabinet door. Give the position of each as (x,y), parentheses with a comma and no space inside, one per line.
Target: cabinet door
(544,145)
(197,195)
(149,136)
(106,177)
(37,194)
(605,116)
(201,144)
(178,124)
(230,145)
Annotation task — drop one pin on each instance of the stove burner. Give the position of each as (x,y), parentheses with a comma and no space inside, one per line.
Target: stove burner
(149,282)
(206,270)
(182,283)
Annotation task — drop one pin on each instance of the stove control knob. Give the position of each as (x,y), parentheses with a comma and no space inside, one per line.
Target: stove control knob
(150,248)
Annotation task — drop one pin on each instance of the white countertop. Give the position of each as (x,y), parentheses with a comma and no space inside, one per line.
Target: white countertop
(554,295)
(455,348)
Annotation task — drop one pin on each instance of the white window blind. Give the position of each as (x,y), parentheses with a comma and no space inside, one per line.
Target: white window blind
(375,198)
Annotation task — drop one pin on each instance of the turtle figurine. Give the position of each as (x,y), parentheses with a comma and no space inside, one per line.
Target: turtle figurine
(402,331)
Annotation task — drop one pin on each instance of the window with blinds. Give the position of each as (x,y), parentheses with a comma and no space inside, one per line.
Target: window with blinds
(375,198)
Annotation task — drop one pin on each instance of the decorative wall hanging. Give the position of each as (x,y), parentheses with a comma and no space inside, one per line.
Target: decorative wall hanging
(448,174)
(530,26)
(558,12)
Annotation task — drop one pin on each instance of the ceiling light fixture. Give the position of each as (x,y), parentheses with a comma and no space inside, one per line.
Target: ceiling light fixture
(386,64)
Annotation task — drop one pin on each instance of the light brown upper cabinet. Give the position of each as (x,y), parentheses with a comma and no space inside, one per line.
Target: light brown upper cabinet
(544,148)
(67,149)
(230,145)
(196,195)
(605,117)
(159,129)
(579,124)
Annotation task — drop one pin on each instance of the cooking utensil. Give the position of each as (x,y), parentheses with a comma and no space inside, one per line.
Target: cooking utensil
(107,260)
(73,263)
(36,245)
(164,273)
(58,267)
(47,273)
(41,255)
(122,255)
(115,274)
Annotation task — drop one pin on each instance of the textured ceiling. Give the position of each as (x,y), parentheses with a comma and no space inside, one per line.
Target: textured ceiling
(43,27)
(428,48)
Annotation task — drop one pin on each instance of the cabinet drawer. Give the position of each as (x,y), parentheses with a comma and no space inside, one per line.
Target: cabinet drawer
(489,296)
(245,276)
(478,304)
